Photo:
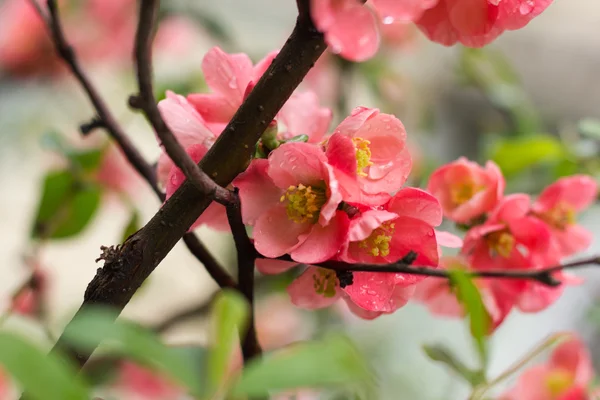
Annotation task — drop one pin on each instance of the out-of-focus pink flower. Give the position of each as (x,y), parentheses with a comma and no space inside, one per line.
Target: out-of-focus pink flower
(302,115)
(228,76)
(279,323)
(25,47)
(323,80)
(558,206)
(116,173)
(292,199)
(215,215)
(369,148)
(5,385)
(565,376)
(139,383)
(30,299)
(465,190)
(476,23)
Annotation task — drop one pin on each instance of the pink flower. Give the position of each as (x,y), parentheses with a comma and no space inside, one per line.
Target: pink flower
(30,298)
(188,127)
(369,150)
(466,190)
(117,174)
(476,23)
(215,215)
(565,376)
(558,206)
(291,199)
(302,115)
(351,29)
(140,383)
(228,76)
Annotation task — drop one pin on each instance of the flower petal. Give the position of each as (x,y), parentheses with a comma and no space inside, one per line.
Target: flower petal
(322,242)
(305,292)
(257,193)
(227,74)
(354,33)
(275,234)
(294,163)
(416,203)
(269,266)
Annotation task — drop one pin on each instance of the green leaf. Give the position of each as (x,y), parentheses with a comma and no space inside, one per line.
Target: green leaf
(469,296)
(66,206)
(441,354)
(93,326)
(590,127)
(132,226)
(88,160)
(333,361)
(230,314)
(43,377)
(517,154)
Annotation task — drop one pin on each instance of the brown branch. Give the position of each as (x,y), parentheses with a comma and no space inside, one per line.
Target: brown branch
(182,316)
(66,53)
(105,120)
(134,261)
(146,102)
(246,257)
(403,266)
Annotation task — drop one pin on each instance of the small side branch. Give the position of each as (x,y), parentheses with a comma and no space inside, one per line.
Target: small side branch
(246,256)
(146,102)
(403,266)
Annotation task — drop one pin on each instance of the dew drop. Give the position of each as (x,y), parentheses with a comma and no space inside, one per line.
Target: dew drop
(388,20)
(526,7)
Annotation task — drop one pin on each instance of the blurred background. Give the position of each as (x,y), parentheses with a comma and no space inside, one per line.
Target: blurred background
(530,102)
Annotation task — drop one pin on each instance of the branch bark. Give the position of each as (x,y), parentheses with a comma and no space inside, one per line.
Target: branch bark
(246,258)
(127,266)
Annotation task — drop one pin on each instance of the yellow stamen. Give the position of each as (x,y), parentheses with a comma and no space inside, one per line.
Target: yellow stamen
(559,381)
(324,282)
(378,243)
(559,217)
(463,192)
(304,202)
(363,155)
(501,243)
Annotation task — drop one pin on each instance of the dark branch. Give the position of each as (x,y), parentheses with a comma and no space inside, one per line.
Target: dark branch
(117,281)
(182,316)
(215,270)
(544,276)
(146,101)
(65,51)
(246,256)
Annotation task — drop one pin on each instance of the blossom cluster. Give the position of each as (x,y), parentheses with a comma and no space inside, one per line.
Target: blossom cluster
(506,233)
(352,30)
(313,197)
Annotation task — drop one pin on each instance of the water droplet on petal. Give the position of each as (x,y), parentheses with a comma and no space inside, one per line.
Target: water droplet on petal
(388,20)
(526,7)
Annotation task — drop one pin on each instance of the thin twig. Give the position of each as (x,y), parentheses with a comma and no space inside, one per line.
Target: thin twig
(215,270)
(66,53)
(246,256)
(544,275)
(182,316)
(146,102)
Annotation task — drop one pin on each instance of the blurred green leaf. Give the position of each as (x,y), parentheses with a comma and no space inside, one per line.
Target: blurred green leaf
(66,206)
(590,127)
(469,296)
(88,160)
(517,154)
(126,339)
(42,376)
(440,353)
(132,226)
(333,361)
(230,313)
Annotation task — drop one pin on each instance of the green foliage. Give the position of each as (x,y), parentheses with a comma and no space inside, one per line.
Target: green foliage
(43,377)
(515,155)
(126,339)
(230,315)
(470,298)
(66,206)
(79,160)
(590,127)
(332,361)
(133,225)
(441,354)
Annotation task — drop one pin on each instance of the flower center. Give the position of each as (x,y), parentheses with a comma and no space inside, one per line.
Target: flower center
(501,243)
(304,202)
(363,155)
(463,192)
(561,216)
(324,282)
(378,243)
(558,381)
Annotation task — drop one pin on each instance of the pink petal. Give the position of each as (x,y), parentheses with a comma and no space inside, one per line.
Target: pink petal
(512,207)
(416,203)
(261,67)
(572,240)
(371,290)
(215,217)
(357,118)
(573,356)
(354,33)
(163,168)
(362,226)
(302,115)
(405,10)
(214,108)
(341,154)
(294,163)
(269,266)
(334,196)
(413,234)
(400,297)
(227,74)
(532,233)
(438,297)
(515,14)
(322,242)
(275,234)
(176,176)
(448,239)
(257,193)
(361,312)
(303,294)
(577,191)
(531,385)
